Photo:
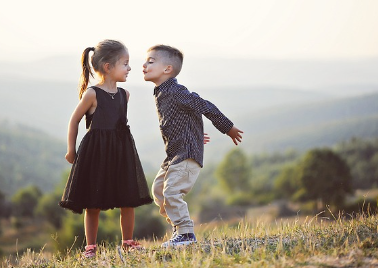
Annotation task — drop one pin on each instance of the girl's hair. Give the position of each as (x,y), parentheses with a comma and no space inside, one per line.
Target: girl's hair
(107,51)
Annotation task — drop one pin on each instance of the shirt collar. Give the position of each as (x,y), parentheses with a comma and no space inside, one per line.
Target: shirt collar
(166,84)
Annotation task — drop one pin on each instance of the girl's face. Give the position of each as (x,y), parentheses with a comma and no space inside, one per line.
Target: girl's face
(121,69)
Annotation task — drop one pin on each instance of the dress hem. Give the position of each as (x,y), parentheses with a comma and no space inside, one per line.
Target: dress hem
(79,209)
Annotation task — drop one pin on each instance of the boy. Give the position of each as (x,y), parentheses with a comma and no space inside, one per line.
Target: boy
(180,117)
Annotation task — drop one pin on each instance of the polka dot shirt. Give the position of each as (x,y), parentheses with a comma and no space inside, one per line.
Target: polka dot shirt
(181,125)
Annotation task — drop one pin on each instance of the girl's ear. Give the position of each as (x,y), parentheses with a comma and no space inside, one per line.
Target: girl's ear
(106,67)
(168,69)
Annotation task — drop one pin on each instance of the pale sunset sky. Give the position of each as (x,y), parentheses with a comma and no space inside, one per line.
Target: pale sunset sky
(281,29)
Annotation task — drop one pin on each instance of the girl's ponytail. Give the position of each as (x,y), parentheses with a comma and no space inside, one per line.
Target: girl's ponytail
(84,80)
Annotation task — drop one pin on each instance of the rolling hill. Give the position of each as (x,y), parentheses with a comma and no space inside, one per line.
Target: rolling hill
(278,104)
(305,126)
(29,157)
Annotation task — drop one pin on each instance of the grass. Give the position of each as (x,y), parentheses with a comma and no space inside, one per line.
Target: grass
(344,241)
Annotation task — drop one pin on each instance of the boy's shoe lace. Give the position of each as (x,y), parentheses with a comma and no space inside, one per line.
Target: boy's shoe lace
(180,240)
(131,245)
(90,251)
(174,232)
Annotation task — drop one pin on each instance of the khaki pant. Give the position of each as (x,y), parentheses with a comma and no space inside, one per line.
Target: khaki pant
(168,190)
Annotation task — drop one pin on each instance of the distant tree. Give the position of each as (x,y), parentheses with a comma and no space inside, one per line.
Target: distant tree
(5,206)
(72,234)
(148,223)
(325,176)
(287,182)
(25,200)
(48,208)
(362,156)
(2,203)
(48,205)
(374,163)
(234,174)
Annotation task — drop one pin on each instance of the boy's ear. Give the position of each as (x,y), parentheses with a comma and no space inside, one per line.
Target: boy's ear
(168,69)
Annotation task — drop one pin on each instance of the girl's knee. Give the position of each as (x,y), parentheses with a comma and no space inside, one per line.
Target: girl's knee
(126,210)
(93,210)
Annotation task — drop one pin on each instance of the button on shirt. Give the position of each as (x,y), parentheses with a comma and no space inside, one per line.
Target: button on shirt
(181,125)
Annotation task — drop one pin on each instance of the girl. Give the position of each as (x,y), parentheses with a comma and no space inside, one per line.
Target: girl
(106,171)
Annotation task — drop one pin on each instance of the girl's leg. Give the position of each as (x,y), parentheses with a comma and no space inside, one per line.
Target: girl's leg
(91,225)
(127,229)
(127,223)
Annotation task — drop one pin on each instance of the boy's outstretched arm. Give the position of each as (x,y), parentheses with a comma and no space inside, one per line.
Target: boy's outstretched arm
(235,135)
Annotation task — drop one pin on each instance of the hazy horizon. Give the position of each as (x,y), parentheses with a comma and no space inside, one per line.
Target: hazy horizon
(271,29)
(209,72)
(309,45)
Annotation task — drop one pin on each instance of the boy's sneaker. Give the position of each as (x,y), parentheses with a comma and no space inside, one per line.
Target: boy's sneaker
(180,240)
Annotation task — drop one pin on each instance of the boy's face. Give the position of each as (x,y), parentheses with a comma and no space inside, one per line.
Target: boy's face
(154,68)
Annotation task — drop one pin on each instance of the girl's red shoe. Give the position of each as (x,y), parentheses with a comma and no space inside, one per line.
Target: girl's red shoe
(90,251)
(131,245)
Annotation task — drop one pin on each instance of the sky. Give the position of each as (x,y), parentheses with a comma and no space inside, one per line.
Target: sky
(264,29)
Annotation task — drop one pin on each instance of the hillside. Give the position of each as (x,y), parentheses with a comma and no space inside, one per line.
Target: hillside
(302,126)
(29,156)
(310,114)
(314,124)
(321,134)
(272,117)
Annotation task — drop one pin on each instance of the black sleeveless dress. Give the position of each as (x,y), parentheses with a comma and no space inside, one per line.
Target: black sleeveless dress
(106,172)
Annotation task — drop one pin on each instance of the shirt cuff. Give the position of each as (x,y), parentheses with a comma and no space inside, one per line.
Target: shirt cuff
(225,127)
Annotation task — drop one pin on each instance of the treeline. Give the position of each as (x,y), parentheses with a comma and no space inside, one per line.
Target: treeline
(312,125)
(360,155)
(313,179)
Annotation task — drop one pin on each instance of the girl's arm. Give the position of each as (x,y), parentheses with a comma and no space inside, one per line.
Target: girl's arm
(87,103)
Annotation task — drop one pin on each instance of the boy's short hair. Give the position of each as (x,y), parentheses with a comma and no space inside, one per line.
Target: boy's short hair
(172,55)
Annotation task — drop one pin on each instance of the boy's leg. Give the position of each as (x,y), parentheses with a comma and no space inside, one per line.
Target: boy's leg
(157,193)
(179,180)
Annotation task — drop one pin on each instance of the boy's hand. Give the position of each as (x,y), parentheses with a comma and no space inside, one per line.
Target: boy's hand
(206,138)
(235,135)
